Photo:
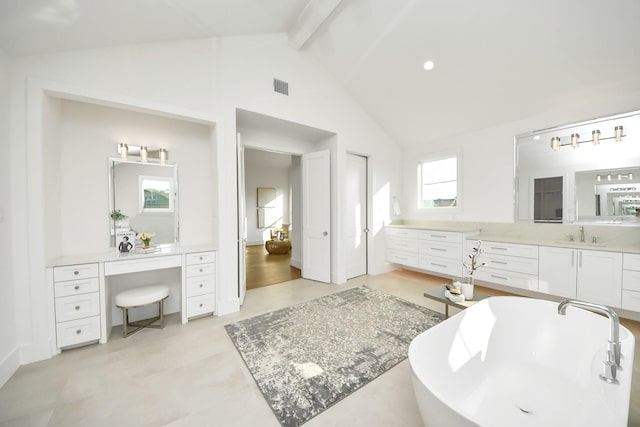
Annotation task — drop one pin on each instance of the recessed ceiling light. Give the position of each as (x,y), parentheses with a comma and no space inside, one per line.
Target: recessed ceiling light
(428,65)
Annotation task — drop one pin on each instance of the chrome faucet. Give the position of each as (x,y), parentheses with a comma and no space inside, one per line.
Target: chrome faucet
(612,363)
(582,234)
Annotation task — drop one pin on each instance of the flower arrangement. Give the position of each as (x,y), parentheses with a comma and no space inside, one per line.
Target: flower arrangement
(472,264)
(145,236)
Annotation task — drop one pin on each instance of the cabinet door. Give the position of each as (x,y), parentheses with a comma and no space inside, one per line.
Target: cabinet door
(557,271)
(600,277)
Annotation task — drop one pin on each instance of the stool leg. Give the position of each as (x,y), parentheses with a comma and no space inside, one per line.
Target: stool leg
(161,314)
(125,321)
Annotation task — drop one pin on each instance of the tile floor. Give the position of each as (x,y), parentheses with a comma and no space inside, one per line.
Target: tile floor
(191,375)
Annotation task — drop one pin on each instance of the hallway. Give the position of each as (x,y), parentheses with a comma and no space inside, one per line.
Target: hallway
(265,269)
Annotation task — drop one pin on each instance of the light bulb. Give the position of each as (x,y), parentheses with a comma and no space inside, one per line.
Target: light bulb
(596,136)
(574,140)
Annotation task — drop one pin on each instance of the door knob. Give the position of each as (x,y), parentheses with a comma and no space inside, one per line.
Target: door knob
(324,233)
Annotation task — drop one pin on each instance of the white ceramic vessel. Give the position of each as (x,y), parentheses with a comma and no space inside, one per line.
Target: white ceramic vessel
(513,361)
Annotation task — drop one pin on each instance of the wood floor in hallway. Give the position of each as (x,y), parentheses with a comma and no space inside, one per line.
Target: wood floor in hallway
(264,269)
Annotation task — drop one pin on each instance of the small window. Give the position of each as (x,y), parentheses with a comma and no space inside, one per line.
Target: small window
(156,194)
(438,183)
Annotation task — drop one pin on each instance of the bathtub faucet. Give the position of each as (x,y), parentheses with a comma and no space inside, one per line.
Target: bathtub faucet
(613,345)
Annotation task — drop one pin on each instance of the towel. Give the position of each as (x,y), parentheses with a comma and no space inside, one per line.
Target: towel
(454,298)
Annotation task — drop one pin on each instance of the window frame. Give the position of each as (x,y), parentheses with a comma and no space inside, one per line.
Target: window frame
(419,183)
(142,208)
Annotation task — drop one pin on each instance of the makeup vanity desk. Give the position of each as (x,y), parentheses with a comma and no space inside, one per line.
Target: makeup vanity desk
(80,294)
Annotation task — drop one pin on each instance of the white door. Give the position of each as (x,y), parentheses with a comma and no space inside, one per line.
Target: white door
(316,212)
(242,222)
(355,236)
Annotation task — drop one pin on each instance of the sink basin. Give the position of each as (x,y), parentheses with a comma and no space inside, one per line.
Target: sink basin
(580,244)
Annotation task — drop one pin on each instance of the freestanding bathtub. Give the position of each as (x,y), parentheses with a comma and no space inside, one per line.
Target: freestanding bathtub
(513,361)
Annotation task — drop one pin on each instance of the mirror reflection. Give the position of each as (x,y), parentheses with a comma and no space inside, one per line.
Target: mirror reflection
(586,172)
(144,198)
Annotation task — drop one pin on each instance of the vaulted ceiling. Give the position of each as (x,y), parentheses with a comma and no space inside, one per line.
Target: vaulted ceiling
(495,61)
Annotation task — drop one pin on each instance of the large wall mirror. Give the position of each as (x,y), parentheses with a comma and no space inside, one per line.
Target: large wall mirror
(144,195)
(587,172)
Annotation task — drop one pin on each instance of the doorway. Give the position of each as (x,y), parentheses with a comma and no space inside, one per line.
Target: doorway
(356,214)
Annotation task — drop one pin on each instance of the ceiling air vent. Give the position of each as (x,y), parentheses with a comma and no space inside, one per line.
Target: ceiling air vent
(281,87)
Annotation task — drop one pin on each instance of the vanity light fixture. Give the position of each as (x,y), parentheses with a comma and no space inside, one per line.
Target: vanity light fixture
(144,153)
(555,143)
(608,177)
(574,140)
(618,130)
(595,136)
(123,149)
(630,176)
(598,178)
(163,154)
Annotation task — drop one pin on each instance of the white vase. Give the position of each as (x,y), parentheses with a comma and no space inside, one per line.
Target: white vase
(467,289)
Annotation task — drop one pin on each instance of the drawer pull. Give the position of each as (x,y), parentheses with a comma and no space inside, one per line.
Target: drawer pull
(76,272)
(402,258)
(438,235)
(438,249)
(498,248)
(76,287)
(499,262)
(201,304)
(79,331)
(499,277)
(438,265)
(77,307)
(201,258)
(201,285)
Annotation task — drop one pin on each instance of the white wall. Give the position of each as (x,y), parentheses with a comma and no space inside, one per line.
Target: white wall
(488,156)
(9,358)
(89,135)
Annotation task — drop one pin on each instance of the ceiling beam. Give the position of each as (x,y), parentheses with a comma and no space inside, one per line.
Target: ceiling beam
(309,21)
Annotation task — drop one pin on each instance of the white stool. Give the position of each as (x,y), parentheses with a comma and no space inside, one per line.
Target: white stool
(138,297)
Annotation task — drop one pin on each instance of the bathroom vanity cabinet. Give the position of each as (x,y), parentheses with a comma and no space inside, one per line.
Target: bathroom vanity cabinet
(606,277)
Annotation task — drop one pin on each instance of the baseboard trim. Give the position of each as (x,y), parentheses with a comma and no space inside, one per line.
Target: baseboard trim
(296,263)
(9,365)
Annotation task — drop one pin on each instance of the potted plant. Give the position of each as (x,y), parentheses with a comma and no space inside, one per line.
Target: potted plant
(471,266)
(117,217)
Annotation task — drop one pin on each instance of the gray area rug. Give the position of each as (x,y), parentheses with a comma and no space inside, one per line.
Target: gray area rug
(309,356)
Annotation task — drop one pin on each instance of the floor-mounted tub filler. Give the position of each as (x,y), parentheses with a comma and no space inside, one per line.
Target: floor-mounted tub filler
(513,361)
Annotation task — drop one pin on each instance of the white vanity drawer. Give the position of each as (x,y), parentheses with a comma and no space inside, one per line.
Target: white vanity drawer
(404,258)
(510,263)
(141,264)
(77,306)
(200,305)
(439,249)
(630,300)
(441,236)
(201,270)
(631,280)
(78,331)
(407,245)
(403,233)
(76,287)
(72,272)
(513,249)
(508,278)
(201,258)
(631,261)
(442,265)
(200,285)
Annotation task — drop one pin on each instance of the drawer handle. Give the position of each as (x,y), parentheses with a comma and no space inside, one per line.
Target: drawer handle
(76,272)
(77,307)
(499,262)
(499,277)
(498,248)
(438,265)
(76,287)
(440,236)
(201,270)
(438,249)
(201,285)
(79,331)
(201,258)
(402,258)
(200,304)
